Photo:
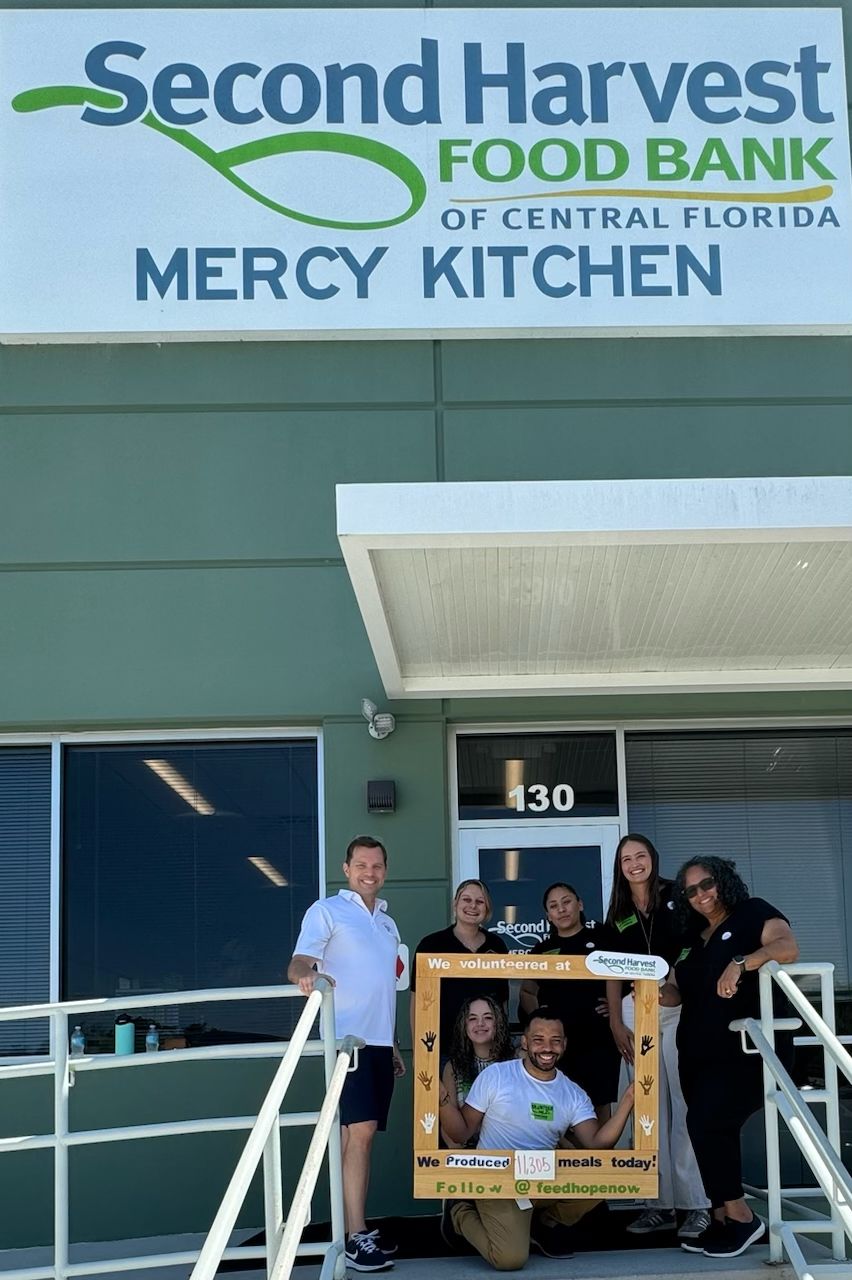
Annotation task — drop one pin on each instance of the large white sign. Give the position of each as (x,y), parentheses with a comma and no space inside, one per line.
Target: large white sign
(301,173)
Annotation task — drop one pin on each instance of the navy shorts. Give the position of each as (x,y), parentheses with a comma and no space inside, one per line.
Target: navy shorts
(367,1092)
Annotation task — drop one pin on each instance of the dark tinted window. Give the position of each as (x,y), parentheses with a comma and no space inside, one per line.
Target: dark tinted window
(537,775)
(188,866)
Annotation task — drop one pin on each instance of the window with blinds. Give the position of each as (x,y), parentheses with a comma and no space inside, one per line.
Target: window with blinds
(778,803)
(187,866)
(24,892)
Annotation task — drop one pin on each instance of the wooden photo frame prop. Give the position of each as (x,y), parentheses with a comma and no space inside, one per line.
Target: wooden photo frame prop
(565,1174)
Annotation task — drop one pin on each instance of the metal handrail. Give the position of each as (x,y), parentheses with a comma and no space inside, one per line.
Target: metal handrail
(263,1142)
(223,1223)
(821,1148)
(151,999)
(825,1034)
(269,1122)
(334,1263)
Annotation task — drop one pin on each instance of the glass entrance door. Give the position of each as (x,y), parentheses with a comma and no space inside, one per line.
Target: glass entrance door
(519,862)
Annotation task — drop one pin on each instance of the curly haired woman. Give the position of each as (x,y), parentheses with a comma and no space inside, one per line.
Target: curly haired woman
(715,982)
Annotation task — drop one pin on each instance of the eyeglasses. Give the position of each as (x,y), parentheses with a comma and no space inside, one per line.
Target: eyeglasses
(709,882)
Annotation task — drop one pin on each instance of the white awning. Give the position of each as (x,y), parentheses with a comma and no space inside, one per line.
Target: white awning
(603,586)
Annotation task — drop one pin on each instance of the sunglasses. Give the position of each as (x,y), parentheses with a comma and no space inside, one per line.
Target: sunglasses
(709,882)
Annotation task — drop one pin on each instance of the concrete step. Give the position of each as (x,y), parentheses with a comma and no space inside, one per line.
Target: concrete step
(667,1264)
(670,1264)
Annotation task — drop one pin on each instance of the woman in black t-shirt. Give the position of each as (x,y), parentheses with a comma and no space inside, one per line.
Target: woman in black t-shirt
(591,1058)
(715,980)
(642,921)
(472,910)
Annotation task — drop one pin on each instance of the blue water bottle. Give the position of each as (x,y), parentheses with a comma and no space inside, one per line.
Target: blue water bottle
(124,1033)
(78,1042)
(152,1040)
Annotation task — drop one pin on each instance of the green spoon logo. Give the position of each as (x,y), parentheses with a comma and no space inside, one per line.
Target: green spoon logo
(227,161)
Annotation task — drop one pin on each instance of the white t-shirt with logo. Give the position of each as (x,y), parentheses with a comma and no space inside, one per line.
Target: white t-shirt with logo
(358,949)
(524,1113)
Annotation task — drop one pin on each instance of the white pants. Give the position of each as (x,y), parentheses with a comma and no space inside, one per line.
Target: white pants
(680,1182)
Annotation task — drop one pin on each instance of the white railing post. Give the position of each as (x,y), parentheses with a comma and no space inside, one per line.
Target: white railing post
(820,1145)
(310,1169)
(832,1103)
(252,1153)
(770,1120)
(273,1195)
(61,1213)
(335,1152)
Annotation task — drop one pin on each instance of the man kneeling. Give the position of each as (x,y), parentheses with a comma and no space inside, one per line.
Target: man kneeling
(526,1105)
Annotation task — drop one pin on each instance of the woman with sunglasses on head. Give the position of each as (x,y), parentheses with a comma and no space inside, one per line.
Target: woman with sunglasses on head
(472,910)
(715,982)
(480,1037)
(642,921)
(590,1059)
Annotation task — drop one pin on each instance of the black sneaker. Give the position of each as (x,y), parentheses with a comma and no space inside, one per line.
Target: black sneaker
(363,1254)
(735,1238)
(388,1247)
(556,1241)
(707,1238)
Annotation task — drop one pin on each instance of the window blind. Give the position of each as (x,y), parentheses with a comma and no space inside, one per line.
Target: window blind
(778,803)
(24,892)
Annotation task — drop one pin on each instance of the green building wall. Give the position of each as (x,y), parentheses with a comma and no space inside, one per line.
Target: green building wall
(168,559)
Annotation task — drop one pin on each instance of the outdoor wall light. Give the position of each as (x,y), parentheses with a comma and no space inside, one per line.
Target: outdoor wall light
(379,723)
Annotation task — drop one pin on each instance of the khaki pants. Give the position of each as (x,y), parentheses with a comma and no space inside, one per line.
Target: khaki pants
(500,1231)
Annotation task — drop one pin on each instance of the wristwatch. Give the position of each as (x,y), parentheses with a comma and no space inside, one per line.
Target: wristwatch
(740,960)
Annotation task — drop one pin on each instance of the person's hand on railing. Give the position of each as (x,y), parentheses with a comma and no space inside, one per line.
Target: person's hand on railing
(303,973)
(308,981)
(729,980)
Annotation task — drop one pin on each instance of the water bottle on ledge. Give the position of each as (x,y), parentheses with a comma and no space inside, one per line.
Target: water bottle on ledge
(124,1033)
(78,1042)
(152,1040)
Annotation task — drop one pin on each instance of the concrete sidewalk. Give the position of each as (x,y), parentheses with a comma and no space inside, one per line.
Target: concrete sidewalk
(667,1264)
(670,1264)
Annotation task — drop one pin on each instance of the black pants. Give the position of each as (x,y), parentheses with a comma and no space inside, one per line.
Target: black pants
(720,1097)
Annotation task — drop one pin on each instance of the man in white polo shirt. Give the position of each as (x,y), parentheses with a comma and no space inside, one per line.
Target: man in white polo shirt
(351,939)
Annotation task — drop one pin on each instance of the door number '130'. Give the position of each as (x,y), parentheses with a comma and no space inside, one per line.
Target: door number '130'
(536,798)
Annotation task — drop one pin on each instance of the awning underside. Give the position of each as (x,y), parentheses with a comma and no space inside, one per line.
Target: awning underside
(503,609)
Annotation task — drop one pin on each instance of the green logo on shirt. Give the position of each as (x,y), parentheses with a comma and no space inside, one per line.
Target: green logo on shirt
(621,925)
(541,1110)
(684,953)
